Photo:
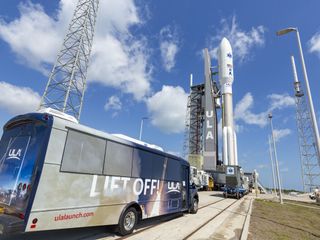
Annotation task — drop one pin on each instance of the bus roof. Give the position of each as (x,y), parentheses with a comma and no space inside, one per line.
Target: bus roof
(63,123)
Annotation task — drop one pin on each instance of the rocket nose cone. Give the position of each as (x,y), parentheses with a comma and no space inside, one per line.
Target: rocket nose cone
(225,44)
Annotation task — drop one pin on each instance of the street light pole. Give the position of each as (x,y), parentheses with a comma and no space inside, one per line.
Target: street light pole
(255,174)
(272,166)
(312,113)
(276,158)
(141,126)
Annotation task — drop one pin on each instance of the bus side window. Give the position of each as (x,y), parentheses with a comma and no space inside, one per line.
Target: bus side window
(142,164)
(157,166)
(173,171)
(118,159)
(3,151)
(83,153)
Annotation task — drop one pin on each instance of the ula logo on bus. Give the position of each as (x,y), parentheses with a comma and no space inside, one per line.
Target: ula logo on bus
(173,187)
(15,154)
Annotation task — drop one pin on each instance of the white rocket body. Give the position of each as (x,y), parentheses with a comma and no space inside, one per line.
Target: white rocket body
(225,60)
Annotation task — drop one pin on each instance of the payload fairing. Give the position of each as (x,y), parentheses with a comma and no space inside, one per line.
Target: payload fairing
(225,60)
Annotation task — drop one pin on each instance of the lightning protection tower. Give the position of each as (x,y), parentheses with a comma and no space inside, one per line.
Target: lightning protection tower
(310,168)
(67,81)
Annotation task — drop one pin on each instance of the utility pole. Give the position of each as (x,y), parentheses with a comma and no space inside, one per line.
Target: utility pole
(255,175)
(141,127)
(272,165)
(67,82)
(276,158)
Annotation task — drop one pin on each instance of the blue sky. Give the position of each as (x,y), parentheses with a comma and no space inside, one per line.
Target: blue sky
(143,54)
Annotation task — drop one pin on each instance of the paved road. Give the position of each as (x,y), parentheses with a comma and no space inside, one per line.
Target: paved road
(215,218)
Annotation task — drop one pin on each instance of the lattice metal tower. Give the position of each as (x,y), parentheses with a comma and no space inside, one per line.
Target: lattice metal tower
(196,119)
(185,150)
(194,122)
(310,168)
(67,81)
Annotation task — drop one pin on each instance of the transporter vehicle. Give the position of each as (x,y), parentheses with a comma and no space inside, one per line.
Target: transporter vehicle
(211,183)
(314,193)
(237,192)
(56,173)
(234,183)
(194,177)
(312,196)
(206,181)
(219,176)
(201,179)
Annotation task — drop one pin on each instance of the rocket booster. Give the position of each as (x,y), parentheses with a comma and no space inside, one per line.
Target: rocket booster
(225,60)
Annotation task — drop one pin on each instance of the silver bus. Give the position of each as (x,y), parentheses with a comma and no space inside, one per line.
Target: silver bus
(56,173)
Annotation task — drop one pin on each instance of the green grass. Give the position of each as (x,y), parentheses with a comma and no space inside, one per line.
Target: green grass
(271,220)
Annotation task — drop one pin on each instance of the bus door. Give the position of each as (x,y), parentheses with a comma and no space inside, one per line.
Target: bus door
(185,174)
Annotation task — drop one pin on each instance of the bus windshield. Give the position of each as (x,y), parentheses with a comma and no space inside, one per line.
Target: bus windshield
(19,151)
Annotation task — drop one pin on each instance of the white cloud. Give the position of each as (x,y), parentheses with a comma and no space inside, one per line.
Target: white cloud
(314,44)
(116,16)
(281,133)
(34,37)
(243,109)
(123,67)
(238,128)
(284,169)
(242,42)
(17,100)
(118,59)
(280,101)
(168,109)
(243,112)
(168,47)
(113,103)
(262,166)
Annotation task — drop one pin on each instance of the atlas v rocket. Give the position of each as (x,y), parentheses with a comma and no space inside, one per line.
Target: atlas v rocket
(225,60)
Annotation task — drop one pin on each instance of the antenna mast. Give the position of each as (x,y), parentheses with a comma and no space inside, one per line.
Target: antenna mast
(67,81)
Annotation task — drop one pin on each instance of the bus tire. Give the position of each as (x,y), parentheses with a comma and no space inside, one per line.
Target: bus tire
(238,195)
(128,221)
(194,206)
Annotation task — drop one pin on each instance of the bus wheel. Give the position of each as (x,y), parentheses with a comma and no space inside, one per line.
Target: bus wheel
(128,221)
(194,206)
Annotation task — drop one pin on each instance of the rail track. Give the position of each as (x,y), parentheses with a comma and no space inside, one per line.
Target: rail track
(209,220)
(242,235)
(164,220)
